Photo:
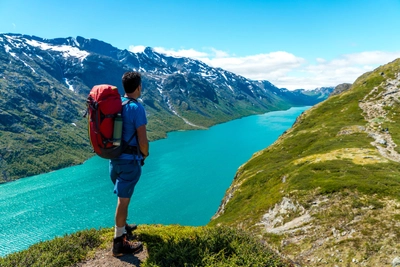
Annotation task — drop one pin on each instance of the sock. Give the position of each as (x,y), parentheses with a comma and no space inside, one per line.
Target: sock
(119,231)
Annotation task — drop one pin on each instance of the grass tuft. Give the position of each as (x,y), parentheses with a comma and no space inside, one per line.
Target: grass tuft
(205,246)
(61,251)
(167,246)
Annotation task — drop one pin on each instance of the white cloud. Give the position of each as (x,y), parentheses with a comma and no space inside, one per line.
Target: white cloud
(136,48)
(181,53)
(286,70)
(191,53)
(219,53)
(261,66)
(346,68)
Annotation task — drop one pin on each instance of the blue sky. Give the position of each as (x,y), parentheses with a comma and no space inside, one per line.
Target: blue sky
(291,43)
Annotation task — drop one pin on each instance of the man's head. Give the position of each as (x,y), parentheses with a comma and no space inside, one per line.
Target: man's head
(131,80)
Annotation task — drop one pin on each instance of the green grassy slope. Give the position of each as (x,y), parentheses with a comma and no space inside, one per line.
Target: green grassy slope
(324,177)
(167,246)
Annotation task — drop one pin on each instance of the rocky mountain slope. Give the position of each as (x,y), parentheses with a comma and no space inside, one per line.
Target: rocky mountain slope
(44,83)
(326,193)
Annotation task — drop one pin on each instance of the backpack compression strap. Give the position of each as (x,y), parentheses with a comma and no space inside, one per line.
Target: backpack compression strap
(126,102)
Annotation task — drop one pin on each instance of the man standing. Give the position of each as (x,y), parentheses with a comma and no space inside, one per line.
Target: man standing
(125,171)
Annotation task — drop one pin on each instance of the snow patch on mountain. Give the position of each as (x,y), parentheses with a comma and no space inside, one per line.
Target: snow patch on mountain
(76,42)
(8,50)
(171,107)
(66,50)
(229,86)
(70,87)
(13,41)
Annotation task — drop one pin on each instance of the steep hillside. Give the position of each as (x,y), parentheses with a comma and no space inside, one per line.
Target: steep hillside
(326,193)
(44,83)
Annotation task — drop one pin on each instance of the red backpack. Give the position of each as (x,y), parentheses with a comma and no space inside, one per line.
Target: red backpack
(104,107)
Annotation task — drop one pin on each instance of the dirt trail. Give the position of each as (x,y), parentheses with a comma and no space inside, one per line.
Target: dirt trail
(104,258)
(373,106)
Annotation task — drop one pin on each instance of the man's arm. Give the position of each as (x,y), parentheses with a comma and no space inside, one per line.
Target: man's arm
(143,142)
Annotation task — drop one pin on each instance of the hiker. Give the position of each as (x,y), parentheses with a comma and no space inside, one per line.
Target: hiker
(125,170)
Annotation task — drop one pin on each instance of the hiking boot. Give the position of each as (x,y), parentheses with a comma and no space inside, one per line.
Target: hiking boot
(130,227)
(121,246)
(129,231)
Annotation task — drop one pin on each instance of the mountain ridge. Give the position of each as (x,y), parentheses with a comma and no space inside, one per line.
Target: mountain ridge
(326,192)
(44,83)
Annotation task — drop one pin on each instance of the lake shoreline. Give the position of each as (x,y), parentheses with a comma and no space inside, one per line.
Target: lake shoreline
(161,138)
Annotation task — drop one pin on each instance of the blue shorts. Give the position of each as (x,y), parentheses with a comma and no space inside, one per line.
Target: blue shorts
(125,174)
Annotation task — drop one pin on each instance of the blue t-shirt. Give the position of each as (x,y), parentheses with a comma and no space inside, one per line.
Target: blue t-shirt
(133,116)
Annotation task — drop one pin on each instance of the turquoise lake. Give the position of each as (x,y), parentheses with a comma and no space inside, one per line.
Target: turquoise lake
(183,182)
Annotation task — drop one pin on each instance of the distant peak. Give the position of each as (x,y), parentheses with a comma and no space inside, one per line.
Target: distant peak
(149,50)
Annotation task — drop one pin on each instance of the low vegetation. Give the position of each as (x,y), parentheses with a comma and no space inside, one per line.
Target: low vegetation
(167,246)
(61,251)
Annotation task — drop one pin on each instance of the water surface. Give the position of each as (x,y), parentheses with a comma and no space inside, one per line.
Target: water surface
(183,182)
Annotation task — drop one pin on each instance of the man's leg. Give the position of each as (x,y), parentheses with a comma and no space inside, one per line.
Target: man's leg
(120,244)
(125,179)
(121,213)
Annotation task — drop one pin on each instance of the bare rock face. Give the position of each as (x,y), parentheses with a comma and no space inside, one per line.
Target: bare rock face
(374,106)
(396,262)
(341,88)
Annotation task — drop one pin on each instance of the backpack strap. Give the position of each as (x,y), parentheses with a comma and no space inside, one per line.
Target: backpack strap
(126,102)
(129,100)
(130,139)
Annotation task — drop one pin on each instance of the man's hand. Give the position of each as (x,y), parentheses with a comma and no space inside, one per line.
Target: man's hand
(143,141)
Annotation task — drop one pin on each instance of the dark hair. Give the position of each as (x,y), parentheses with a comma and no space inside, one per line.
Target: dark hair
(131,81)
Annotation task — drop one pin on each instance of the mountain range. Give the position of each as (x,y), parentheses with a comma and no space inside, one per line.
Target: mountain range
(326,193)
(44,84)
